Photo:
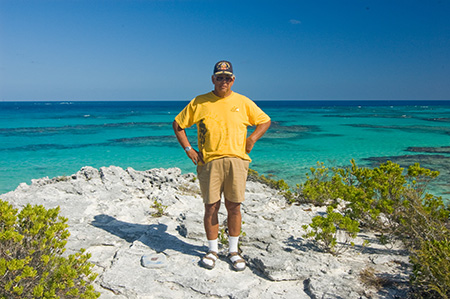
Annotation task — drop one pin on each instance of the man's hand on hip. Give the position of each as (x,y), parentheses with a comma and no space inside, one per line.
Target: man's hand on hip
(195,156)
(249,143)
(258,133)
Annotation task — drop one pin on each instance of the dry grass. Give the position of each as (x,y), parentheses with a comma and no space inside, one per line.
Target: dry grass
(369,278)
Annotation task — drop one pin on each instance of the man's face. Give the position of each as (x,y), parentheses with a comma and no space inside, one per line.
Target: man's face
(222,83)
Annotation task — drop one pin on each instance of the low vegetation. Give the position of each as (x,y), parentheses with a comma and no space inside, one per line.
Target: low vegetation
(159,208)
(369,278)
(32,264)
(389,200)
(224,235)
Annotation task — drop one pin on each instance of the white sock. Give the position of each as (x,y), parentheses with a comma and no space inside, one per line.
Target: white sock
(213,245)
(233,243)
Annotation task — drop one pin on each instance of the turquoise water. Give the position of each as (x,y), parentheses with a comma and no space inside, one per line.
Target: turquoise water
(39,139)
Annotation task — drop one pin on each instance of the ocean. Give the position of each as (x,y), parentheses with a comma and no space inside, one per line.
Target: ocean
(40,139)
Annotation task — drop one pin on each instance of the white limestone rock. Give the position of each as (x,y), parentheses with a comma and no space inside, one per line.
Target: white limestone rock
(110,214)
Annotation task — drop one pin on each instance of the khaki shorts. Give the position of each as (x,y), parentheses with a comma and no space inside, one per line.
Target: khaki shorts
(225,175)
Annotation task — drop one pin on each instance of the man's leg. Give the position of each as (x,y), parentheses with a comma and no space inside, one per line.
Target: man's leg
(211,223)
(234,218)
(211,220)
(234,221)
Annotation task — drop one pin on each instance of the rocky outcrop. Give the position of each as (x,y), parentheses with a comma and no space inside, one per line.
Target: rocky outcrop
(112,214)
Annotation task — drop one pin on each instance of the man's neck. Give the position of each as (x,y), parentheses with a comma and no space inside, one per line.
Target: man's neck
(222,94)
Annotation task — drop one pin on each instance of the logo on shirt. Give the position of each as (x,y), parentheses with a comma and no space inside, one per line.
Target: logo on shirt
(235,109)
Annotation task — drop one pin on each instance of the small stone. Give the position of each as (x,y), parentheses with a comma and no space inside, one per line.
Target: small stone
(154,261)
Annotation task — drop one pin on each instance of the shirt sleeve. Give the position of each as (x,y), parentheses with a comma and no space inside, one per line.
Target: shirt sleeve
(255,115)
(185,118)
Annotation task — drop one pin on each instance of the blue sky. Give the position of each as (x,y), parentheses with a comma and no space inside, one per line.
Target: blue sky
(165,50)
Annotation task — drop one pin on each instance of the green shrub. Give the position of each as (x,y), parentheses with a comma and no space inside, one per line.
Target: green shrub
(392,203)
(325,229)
(31,263)
(375,197)
(425,233)
(431,268)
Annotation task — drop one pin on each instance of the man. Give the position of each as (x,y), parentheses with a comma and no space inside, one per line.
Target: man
(222,160)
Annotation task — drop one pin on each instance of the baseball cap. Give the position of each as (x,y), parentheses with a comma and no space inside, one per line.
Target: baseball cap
(223,67)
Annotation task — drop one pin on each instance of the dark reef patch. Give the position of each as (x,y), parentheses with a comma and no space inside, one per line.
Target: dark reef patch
(438,119)
(78,129)
(91,116)
(160,141)
(45,147)
(279,125)
(409,129)
(434,150)
(369,115)
(279,131)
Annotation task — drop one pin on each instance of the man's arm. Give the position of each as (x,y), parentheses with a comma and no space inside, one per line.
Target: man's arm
(194,155)
(258,133)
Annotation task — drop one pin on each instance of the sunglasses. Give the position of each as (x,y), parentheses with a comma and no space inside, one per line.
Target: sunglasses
(224,78)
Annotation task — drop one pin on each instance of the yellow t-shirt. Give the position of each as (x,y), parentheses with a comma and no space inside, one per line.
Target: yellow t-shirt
(221,123)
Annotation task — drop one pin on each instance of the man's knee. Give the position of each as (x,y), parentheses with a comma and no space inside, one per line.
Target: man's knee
(233,207)
(212,209)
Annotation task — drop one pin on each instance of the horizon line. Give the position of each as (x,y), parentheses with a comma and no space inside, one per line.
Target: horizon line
(262,100)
